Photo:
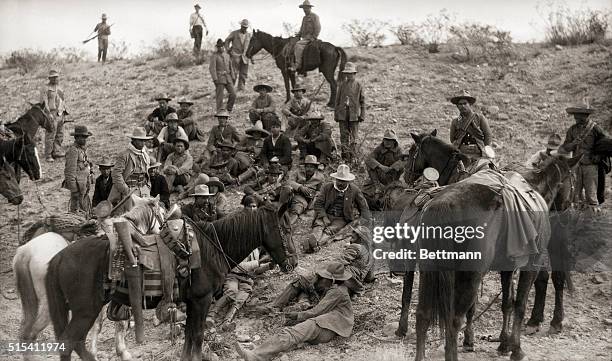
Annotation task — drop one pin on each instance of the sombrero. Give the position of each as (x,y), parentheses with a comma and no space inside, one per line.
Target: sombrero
(343,173)
(334,271)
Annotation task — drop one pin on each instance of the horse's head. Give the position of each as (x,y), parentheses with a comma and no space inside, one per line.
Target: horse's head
(417,159)
(146,214)
(42,116)
(279,240)
(556,182)
(255,44)
(9,187)
(27,156)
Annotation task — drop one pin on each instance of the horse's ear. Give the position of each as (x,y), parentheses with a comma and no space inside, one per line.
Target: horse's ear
(434,132)
(416,137)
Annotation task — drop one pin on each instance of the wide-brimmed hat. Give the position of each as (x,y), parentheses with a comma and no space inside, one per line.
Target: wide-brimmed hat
(106,162)
(350,68)
(81,130)
(184,100)
(464,95)
(154,165)
(257,128)
(554,141)
(182,138)
(140,133)
(390,134)
(363,232)
(220,43)
(104,17)
(314,115)
(334,271)
(343,173)
(431,174)
(274,168)
(197,6)
(580,109)
(226,143)
(214,181)
(311,159)
(306,4)
(53,74)
(103,209)
(172,116)
(202,190)
(298,87)
(244,23)
(222,114)
(265,87)
(163,96)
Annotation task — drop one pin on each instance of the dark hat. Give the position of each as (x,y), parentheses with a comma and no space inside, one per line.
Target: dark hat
(334,271)
(182,138)
(306,4)
(298,87)
(226,144)
(53,74)
(275,122)
(214,181)
(580,109)
(184,100)
(222,114)
(260,87)
(197,6)
(163,96)
(274,168)
(81,130)
(464,95)
(220,43)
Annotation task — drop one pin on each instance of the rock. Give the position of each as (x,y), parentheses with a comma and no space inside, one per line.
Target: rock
(598,278)
(503,116)
(558,47)
(493,109)
(550,92)
(243,338)
(607,321)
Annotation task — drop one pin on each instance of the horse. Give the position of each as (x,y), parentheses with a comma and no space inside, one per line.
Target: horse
(30,266)
(37,116)
(22,153)
(9,186)
(331,55)
(229,239)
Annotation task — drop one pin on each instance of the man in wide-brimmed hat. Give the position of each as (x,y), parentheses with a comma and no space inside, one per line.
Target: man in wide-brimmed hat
(223,76)
(157,119)
(309,31)
(540,158)
(276,145)
(334,209)
(252,143)
(302,185)
(103,30)
(202,209)
(315,137)
(385,164)
(263,107)
(349,110)
(104,182)
(78,172)
(330,318)
(178,166)
(197,29)
(52,95)
(470,131)
(167,135)
(131,166)
(295,110)
(218,134)
(186,120)
(237,42)
(266,186)
(580,139)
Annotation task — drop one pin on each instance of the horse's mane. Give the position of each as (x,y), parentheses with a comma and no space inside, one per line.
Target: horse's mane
(447,147)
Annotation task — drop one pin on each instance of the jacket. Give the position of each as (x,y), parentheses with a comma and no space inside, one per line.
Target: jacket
(350,95)
(387,157)
(296,107)
(586,146)
(352,197)
(265,104)
(102,189)
(477,132)
(311,27)
(334,312)
(238,47)
(218,135)
(308,187)
(183,163)
(77,171)
(207,214)
(128,162)
(221,68)
(320,135)
(282,150)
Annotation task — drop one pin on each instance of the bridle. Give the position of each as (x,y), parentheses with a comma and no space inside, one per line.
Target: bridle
(562,180)
(4,164)
(48,120)
(446,170)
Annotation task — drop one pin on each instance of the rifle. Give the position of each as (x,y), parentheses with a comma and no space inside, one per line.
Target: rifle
(93,37)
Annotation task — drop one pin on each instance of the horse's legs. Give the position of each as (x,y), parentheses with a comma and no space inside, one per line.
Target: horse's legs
(406,298)
(558,278)
(329,76)
(120,345)
(466,294)
(468,334)
(507,302)
(537,313)
(286,79)
(95,331)
(201,306)
(423,320)
(526,279)
(189,327)
(75,334)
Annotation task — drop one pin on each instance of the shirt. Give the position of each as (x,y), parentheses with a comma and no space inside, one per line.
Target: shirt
(334,312)
(311,27)
(103,30)
(586,146)
(165,135)
(196,19)
(265,104)
(53,98)
(478,132)
(296,107)
(337,206)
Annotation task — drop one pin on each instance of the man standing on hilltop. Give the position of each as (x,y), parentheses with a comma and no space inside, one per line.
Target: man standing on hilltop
(309,31)
(103,30)
(470,131)
(349,110)
(53,98)
(222,74)
(197,26)
(239,40)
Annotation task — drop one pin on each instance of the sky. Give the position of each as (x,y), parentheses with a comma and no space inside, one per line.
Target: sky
(45,24)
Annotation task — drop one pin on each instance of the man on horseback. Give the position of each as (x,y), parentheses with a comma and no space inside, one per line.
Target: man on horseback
(309,31)
(237,42)
(470,131)
(77,171)
(53,98)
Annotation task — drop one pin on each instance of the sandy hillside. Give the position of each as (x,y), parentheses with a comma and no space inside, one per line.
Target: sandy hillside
(407,90)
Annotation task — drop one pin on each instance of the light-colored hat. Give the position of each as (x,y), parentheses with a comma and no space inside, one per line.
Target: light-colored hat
(259,87)
(489,152)
(554,141)
(431,174)
(334,271)
(244,23)
(172,116)
(343,173)
(183,138)
(257,128)
(103,209)
(306,4)
(202,190)
(106,162)
(104,17)
(214,181)
(311,159)
(222,114)
(464,95)
(390,134)
(140,133)
(350,68)
(163,96)
(314,115)
(184,100)
(81,130)
(154,165)
(53,73)
(201,179)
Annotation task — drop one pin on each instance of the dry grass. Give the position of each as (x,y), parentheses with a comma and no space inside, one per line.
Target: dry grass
(565,26)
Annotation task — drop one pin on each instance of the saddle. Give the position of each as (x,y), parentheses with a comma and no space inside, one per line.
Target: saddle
(311,57)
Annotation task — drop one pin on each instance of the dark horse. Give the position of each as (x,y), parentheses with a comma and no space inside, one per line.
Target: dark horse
(77,286)
(9,187)
(331,55)
(22,153)
(37,116)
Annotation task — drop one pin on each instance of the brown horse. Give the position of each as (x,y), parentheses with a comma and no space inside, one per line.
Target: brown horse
(22,153)
(9,186)
(277,46)
(37,116)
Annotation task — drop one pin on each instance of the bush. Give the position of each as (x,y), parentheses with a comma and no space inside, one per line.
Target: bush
(573,27)
(117,50)
(408,34)
(289,30)
(367,33)
(483,43)
(432,32)
(178,53)
(28,60)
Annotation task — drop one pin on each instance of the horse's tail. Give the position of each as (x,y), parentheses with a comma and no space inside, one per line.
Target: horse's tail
(343,60)
(58,309)
(438,290)
(26,290)
(30,232)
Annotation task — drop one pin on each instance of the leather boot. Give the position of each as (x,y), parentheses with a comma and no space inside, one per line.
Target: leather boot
(215,310)
(289,293)
(134,278)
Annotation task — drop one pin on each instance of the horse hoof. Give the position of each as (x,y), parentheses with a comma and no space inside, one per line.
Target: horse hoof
(468,348)
(126,356)
(518,355)
(503,350)
(530,330)
(554,330)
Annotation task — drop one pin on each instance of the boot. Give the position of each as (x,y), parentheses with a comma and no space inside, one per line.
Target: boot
(134,278)
(215,310)
(269,349)
(289,293)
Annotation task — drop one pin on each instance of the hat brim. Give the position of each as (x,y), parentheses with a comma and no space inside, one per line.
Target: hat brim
(221,115)
(166,99)
(456,100)
(184,142)
(186,102)
(346,275)
(53,76)
(349,178)
(140,137)
(107,165)
(298,90)
(88,134)
(349,71)
(305,6)
(312,163)
(217,184)
(578,110)
(264,86)
(260,131)
(203,194)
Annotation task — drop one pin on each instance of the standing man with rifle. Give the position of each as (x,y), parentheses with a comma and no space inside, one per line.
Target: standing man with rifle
(197,26)
(103,30)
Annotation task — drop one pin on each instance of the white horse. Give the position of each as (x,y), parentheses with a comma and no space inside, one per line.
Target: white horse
(30,269)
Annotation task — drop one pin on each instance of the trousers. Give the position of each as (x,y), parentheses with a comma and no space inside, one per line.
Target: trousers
(219,93)
(348,138)
(197,33)
(79,202)
(266,118)
(242,68)
(102,47)
(237,289)
(299,52)
(586,179)
(55,137)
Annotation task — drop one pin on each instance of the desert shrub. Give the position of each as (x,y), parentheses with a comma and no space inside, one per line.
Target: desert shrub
(430,33)
(564,26)
(117,50)
(408,34)
(290,29)
(178,53)
(28,60)
(482,43)
(366,33)
(362,59)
